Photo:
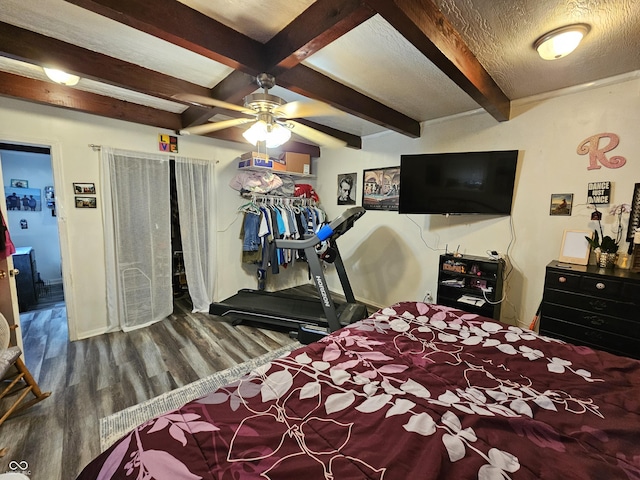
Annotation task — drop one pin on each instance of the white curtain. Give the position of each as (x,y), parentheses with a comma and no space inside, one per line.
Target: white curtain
(195,190)
(137,225)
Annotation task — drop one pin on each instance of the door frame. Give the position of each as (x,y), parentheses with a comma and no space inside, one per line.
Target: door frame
(9,295)
(61,216)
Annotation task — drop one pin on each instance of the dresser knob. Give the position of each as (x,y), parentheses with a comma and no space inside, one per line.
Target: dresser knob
(562,279)
(600,286)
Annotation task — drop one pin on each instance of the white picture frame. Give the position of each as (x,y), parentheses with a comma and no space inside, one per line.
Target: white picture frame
(575,247)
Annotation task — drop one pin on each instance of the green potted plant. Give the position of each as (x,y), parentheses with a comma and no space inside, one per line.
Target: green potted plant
(607,245)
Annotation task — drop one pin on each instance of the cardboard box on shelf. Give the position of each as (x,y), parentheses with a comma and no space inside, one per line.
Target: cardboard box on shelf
(297,162)
(261,160)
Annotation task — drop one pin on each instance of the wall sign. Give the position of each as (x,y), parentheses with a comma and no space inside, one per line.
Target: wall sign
(167,143)
(596,153)
(598,193)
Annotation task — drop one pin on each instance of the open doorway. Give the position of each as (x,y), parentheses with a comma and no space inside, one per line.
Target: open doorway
(33,225)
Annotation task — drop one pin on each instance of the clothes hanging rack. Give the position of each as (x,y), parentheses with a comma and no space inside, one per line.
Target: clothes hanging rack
(279,199)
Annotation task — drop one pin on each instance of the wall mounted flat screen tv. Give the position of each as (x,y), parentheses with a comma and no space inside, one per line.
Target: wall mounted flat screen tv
(458,183)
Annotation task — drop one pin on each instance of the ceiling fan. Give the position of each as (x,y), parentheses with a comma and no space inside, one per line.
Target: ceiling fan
(270,117)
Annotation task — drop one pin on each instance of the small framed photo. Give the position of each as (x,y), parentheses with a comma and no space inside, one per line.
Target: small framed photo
(561,203)
(86,202)
(84,188)
(575,246)
(17,183)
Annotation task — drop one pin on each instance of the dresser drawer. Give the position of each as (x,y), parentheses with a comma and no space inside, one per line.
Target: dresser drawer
(632,354)
(600,286)
(592,319)
(631,292)
(582,335)
(613,308)
(562,281)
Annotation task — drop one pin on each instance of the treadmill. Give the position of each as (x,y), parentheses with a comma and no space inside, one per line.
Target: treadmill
(313,318)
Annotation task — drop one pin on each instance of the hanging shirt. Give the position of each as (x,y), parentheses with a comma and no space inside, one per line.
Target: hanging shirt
(6,245)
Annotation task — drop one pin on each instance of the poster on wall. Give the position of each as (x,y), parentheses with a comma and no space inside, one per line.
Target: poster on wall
(381,189)
(634,216)
(346,188)
(23,199)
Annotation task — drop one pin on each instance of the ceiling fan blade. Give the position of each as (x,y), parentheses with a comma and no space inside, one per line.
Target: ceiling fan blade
(210,102)
(315,136)
(299,109)
(215,126)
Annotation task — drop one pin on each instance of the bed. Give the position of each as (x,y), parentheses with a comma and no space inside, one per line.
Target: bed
(414,391)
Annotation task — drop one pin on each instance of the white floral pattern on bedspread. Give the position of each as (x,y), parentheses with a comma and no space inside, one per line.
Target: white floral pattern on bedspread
(414,391)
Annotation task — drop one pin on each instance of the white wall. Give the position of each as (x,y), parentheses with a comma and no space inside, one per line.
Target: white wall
(69,134)
(384,253)
(42,231)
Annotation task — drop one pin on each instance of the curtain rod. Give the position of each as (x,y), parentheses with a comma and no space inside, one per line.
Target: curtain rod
(99,147)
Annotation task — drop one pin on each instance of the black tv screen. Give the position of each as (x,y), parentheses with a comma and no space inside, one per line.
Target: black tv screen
(457,183)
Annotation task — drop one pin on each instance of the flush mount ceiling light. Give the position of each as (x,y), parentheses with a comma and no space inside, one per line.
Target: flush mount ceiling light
(560,42)
(61,77)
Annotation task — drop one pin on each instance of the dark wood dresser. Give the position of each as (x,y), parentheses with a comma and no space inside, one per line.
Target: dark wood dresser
(24,260)
(592,306)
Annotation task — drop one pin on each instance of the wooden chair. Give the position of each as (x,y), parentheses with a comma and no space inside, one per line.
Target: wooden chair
(16,380)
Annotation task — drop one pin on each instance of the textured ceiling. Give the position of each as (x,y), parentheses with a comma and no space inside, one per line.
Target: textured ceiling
(501,34)
(257,19)
(371,57)
(382,63)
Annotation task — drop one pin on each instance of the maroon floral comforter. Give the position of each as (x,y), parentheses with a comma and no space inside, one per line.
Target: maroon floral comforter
(415,391)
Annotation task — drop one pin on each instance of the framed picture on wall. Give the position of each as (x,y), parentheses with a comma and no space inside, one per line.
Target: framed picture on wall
(561,203)
(346,188)
(381,189)
(84,188)
(634,216)
(86,202)
(17,183)
(23,199)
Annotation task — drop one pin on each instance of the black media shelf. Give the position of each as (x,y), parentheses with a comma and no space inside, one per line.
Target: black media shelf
(471,283)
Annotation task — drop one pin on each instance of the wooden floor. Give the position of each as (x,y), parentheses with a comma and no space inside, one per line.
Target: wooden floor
(90,379)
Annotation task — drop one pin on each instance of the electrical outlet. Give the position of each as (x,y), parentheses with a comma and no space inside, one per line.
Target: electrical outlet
(428,297)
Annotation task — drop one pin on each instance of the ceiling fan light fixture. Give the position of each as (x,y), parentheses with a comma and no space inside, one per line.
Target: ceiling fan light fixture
(273,134)
(256,132)
(61,77)
(278,135)
(560,42)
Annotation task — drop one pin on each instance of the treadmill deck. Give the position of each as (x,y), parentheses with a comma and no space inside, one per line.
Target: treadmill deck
(283,309)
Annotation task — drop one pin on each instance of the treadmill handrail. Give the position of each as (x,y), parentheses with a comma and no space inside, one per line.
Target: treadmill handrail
(334,229)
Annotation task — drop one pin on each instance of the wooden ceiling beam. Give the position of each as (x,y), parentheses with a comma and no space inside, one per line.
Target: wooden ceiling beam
(232,89)
(312,84)
(353,141)
(426,28)
(319,25)
(26,46)
(52,94)
(336,19)
(180,25)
